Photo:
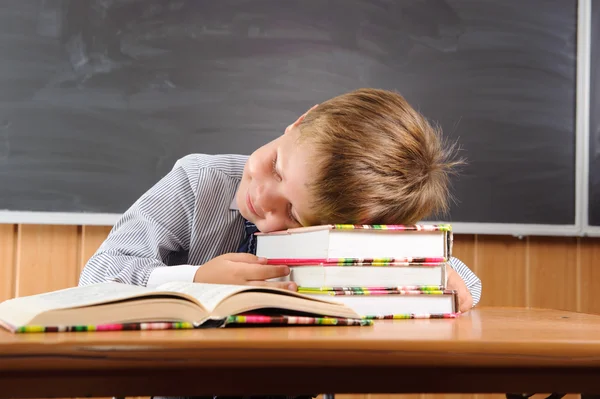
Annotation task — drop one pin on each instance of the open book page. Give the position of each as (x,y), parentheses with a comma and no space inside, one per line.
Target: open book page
(209,295)
(19,311)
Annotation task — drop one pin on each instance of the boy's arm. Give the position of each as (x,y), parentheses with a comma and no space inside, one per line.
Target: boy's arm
(155,226)
(472,282)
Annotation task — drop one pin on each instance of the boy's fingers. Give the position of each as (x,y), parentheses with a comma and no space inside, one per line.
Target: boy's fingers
(245,257)
(265,272)
(465,301)
(286,285)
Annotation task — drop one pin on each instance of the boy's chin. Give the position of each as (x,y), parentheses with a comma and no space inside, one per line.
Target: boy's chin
(251,218)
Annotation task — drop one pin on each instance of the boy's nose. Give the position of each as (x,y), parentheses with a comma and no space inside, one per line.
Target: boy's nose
(271,200)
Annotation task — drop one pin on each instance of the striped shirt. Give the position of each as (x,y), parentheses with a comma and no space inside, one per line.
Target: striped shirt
(186,219)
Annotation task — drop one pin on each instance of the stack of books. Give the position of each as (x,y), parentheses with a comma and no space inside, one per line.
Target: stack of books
(380,271)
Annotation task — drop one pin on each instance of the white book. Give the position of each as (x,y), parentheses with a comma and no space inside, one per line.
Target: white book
(398,303)
(327,275)
(415,243)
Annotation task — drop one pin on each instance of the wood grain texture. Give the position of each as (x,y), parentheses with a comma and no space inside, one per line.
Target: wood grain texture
(485,350)
(484,337)
(296,381)
(502,268)
(91,238)
(47,258)
(553,272)
(7,261)
(464,248)
(589,276)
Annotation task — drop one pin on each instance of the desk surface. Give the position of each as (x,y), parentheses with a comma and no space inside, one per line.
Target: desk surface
(485,350)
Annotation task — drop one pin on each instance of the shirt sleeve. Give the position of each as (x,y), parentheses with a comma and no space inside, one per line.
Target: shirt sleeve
(472,282)
(162,275)
(156,225)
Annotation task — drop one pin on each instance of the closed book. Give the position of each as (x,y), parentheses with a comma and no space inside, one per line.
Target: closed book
(363,272)
(382,303)
(411,243)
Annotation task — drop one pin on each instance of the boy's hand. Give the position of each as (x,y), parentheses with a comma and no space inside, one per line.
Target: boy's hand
(243,269)
(455,282)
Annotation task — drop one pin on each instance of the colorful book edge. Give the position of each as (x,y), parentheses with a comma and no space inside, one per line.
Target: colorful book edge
(253,319)
(376,288)
(375,262)
(408,290)
(413,316)
(391,227)
(296,320)
(107,327)
(398,227)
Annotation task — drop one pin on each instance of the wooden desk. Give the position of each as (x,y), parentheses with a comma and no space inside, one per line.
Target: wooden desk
(486,350)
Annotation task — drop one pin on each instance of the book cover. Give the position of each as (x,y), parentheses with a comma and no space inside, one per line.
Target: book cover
(377,245)
(375,262)
(397,227)
(370,274)
(393,302)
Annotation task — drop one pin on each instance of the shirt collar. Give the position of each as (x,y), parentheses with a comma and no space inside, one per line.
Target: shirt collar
(233,204)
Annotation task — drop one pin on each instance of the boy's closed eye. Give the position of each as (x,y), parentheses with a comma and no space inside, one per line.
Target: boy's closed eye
(279,178)
(274,167)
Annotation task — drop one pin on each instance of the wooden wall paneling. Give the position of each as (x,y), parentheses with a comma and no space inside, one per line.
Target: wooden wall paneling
(7,261)
(553,272)
(464,248)
(91,238)
(47,258)
(502,268)
(588,300)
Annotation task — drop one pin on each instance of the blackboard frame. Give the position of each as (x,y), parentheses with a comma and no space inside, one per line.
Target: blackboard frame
(586,23)
(580,227)
(582,137)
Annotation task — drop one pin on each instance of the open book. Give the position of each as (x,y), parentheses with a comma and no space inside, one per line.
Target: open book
(171,305)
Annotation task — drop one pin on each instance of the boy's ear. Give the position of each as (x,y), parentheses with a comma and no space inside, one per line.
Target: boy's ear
(304,114)
(300,119)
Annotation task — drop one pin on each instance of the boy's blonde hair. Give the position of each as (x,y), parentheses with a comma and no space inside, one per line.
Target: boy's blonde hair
(378,160)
